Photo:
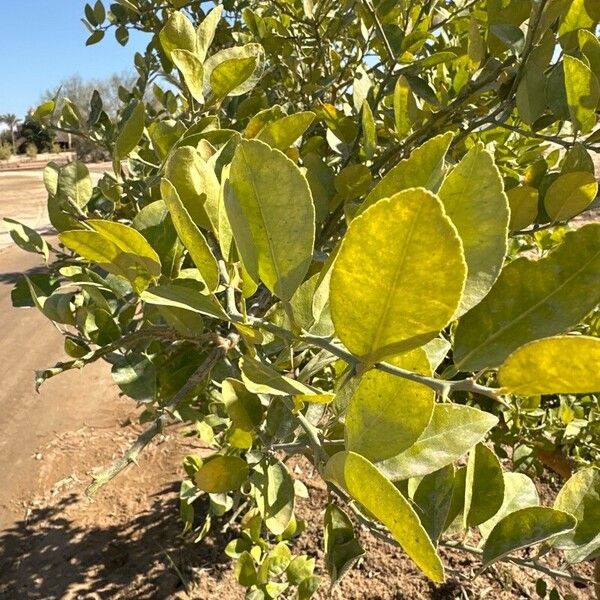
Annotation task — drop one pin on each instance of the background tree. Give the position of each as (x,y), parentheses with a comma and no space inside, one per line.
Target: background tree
(11,121)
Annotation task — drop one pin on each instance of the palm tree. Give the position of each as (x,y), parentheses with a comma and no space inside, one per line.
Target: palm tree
(11,120)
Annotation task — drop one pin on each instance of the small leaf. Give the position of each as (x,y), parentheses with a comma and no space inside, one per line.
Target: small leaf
(392,291)
(570,194)
(221,474)
(26,238)
(453,429)
(555,365)
(359,478)
(387,414)
(244,408)
(274,494)
(260,378)
(272,219)
(405,107)
(131,132)
(523,528)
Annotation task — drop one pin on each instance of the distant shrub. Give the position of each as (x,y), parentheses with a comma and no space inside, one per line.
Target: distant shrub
(31,150)
(56,149)
(5,151)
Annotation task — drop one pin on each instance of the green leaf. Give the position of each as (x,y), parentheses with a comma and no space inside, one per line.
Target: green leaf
(555,365)
(387,414)
(580,496)
(72,182)
(570,194)
(230,74)
(135,375)
(577,158)
(177,296)
(272,219)
(365,484)
(282,133)
(519,492)
(369,130)
(244,408)
(433,497)
(532,300)
(274,494)
(474,199)
(531,96)
(523,528)
(220,474)
(523,202)
(424,168)
(590,48)
(353,181)
(484,486)
(245,570)
(131,132)
(26,238)
(405,107)
(192,70)
(311,584)
(191,236)
(237,63)
(342,548)
(178,33)
(583,93)
(453,429)
(97,36)
(206,31)
(260,378)
(391,289)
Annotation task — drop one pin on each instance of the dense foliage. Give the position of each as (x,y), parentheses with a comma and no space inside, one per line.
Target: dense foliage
(345,230)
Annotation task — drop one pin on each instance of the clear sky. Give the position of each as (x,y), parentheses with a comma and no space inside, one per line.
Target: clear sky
(43,42)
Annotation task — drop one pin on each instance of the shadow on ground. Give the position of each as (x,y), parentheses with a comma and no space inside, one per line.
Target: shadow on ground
(47,556)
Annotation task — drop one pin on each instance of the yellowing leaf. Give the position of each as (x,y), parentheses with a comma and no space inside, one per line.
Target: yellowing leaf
(236,71)
(180,297)
(393,288)
(131,132)
(531,300)
(473,197)
(583,93)
(570,194)
(221,474)
(523,528)
(523,201)
(206,31)
(405,107)
(387,414)
(260,378)
(191,236)
(178,32)
(282,133)
(230,74)
(271,213)
(275,495)
(357,476)
(424,168)
(192,70)
(555,365)
(453,429)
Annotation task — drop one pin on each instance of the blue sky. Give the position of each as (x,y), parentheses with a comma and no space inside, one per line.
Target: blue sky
(43,42)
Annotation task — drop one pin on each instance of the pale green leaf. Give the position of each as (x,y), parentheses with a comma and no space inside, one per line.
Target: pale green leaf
(365,484)
(473,197)
(272,218)
(192,70)
(531,96)
(191,236)
(523,528)
(369,131)
(590,48)
(244,408)
(392,289)
(73,182)
(206,31)
(178,32)
(282,133)
(523,201)
(570,194)
(27,238)
(583,93)
(177,296)
(424,168)
(260,378)
(452,431)
(237,71)
(230,74)
(274,494)
(532,299)
(387,414)
(131,132)
(433,497)
(405,107)
(555,365)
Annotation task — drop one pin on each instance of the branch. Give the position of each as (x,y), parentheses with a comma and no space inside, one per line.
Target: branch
(100,480)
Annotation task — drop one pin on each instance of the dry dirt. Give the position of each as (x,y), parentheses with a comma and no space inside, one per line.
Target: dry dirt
(56,543)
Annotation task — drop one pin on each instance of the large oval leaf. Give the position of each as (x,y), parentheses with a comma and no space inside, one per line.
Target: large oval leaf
(523,528)
(453,429)
(178,32)
(570,194)
(249,51)
(531,300)
(556,365)
(271,213)
(580,496)
(380,497)
(398,277)
(387,414)
(473,197)
(221,474)
(282,133)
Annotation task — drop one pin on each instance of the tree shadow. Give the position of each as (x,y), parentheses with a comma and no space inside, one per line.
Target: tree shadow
(46,555)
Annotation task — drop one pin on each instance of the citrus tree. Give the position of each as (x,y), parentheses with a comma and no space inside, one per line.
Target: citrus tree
(348,231)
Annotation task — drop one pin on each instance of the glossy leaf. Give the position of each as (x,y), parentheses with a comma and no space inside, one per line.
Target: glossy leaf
(531,300)
(452,431)
(191,236)
(282,133)
(365,484)
(424,168)
(523,202)
(221,474)
(272,219)
(523,528)
(570,194)
(391,290)
(387,414)
(474,199)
